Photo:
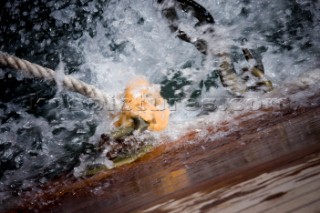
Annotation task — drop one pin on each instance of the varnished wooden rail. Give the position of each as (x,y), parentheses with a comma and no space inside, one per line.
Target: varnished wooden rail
(272,143)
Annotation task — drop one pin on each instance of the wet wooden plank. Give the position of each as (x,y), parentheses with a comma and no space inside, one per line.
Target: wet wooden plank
(258,144)
(284,190)
(313,207)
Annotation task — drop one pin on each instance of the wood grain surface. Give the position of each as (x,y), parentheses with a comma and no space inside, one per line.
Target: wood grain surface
(268,163)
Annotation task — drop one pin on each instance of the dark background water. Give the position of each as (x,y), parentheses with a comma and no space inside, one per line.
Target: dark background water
(29,31)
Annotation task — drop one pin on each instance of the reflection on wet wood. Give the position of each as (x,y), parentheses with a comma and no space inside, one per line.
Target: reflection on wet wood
(293,189)
(222,170)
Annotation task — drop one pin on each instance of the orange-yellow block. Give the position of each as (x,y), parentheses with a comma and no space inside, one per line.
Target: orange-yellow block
(142,99)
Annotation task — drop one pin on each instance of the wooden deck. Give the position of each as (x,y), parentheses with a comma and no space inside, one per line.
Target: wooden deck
(295,188)
(270,164)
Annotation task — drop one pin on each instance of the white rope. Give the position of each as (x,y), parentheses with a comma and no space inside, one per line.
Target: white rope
(38,71)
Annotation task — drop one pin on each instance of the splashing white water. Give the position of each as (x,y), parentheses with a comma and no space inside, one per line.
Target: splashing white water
(145,46)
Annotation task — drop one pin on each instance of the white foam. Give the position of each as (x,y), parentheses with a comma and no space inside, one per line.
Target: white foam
(151,48)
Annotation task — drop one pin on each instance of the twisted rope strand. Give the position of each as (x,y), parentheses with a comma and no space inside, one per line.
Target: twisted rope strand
(38,71)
